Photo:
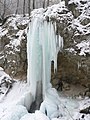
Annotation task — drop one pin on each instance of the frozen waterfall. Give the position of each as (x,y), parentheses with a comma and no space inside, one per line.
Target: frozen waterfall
(43,46)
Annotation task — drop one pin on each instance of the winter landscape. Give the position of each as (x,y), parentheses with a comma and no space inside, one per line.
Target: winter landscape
(45,60)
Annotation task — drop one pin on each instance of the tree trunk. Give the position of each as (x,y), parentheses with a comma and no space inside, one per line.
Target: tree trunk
(4,10)
(47,3)
(24,8)
(33,4)
(29,8)
(17,7)
(44,4)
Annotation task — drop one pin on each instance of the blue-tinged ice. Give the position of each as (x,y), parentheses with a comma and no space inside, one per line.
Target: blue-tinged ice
(43,46)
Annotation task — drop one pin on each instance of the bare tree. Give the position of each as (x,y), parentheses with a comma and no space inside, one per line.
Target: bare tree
(29,8)
(33,4)
(3,15)
(17,6)
(47,2)
(24,8)
(43,3)
(4,10)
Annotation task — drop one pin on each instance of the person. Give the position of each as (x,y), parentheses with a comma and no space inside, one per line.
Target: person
(59,85)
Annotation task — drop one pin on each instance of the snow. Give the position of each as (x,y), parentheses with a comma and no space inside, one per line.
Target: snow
(3,32)
(3,75)
(85,13)
(10,109)
(17,19)
(1,69)
(84,47)
(71,50)
(15,43)
(23,21)
(51,12)
(14,113)
(13,23)
(77,1)
(38,115)
(20,96)
(28,116)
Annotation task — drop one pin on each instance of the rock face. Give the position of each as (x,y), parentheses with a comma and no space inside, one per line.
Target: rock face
(13,56)
(73,24)
(75,58)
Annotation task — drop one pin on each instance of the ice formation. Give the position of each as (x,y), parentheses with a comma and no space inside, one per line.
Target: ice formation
(43,46)
(14,113)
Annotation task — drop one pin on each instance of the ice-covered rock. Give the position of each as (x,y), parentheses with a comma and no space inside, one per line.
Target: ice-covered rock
(50,105)
(26,100)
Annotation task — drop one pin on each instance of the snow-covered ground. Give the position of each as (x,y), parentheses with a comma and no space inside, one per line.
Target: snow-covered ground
(12,109)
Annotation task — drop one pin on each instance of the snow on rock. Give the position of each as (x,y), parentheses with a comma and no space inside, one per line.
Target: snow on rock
(18,95)
(13,43)
(84,47)
(17,20)
(1,69)
(82,21)
(82,105)
(5,83)
(22,22)
(4,76)
(71,50)
(3,32)
(54,11)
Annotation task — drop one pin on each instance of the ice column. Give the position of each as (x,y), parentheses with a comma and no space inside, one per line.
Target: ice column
(42,47)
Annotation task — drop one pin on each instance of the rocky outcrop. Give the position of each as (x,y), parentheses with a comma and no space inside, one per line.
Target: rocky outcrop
(13,56)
